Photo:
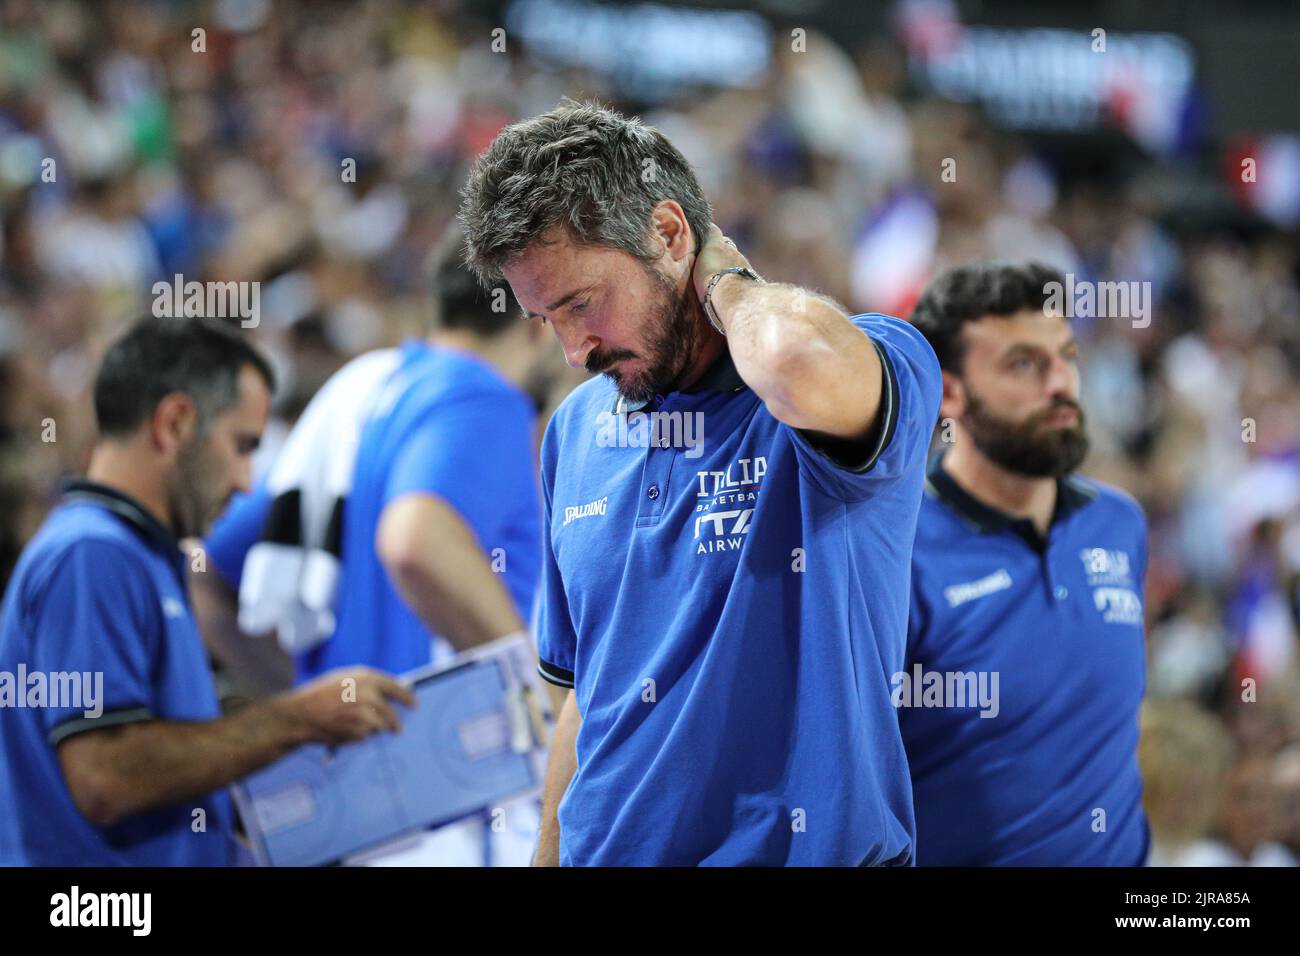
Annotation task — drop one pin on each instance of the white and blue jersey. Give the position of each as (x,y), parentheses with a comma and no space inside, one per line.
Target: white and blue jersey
(99,592)
(446,424)
(1042,772)
(729,613)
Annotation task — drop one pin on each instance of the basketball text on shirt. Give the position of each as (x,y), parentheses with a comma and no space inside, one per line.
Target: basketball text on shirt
(723,530)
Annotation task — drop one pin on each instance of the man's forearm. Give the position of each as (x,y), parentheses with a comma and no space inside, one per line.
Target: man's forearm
(789,344)
(477,613)
(150,764)
(561,766)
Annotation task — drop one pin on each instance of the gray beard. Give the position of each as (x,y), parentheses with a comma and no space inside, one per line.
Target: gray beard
(671,346)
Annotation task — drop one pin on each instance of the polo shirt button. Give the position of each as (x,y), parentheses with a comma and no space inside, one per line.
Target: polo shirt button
(1061,592)
(652,492)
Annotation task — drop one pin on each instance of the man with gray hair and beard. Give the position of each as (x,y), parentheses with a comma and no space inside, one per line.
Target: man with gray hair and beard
(1026,579)
(726,611)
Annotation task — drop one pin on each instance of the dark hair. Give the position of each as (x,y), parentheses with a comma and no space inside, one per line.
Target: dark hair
(970,292)
(461,302)
(158,356)
(590,169)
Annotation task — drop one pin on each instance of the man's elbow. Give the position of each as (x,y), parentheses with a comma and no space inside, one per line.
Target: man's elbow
(405,539)
(406,566)
(96,791)
(792,395)
(824,385)
(98,807)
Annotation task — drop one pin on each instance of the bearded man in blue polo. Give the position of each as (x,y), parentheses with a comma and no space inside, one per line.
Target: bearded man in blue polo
(727,610)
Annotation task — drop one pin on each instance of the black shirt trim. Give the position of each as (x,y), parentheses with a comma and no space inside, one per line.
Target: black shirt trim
(124,506)
(555,675)
(114,718)
(134,514)
(1071,495)
(845,455)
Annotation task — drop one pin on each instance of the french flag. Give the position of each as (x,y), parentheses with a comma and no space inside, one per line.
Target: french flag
(1264,173)
(894,252)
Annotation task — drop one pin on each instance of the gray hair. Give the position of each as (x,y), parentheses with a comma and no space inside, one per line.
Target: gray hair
(592,170)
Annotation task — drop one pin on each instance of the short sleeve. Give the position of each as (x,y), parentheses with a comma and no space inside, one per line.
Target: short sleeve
(557,642)
(97,620)
(236,531)
(911,389)
(1140,545)
(1140,572)
(918,616)
(464,453)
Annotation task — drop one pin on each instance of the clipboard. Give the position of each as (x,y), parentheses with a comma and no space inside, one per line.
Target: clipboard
(477,738)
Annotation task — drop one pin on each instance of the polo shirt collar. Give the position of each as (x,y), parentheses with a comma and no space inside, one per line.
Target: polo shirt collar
(125,507)
(1071,494)
(721,376)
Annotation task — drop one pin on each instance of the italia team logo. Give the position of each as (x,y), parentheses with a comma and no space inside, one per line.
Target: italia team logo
(1105,566)
(1111,581)
(725,505)
(1118,605)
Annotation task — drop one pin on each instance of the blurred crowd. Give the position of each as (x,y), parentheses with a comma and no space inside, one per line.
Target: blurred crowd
(229,163)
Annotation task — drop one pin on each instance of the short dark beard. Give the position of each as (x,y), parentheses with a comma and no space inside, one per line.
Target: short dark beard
(1023,448)
(191,503)
(671,344)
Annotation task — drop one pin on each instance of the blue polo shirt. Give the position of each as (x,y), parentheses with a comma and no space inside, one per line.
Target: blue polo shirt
(729,612)
(100,592)
(446,423)
(1049,775)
